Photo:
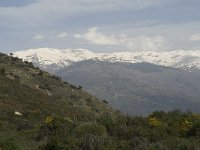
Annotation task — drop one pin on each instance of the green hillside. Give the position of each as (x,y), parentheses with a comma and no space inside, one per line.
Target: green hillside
(36,95)
(40,111)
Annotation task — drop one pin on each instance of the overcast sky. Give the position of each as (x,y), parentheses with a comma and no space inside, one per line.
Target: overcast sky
(100,25)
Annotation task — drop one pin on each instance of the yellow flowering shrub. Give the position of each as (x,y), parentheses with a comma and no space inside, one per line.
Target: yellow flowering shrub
(185,125)
(196,116)
(49,120)
(154,122)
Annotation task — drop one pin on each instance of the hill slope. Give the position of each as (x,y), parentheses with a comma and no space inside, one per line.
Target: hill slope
(29,95)
(139,88)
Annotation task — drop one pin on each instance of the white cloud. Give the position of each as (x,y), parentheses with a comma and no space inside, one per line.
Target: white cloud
(78,36)
(95,37)
(131,43)
(38,37)
(62,35)
(195,37)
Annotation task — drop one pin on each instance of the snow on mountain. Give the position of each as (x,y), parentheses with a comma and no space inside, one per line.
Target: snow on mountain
(54,59)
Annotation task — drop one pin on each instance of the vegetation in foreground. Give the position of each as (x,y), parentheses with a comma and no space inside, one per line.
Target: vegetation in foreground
(40,111)
(158,131)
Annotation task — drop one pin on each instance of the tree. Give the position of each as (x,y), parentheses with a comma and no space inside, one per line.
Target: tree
(106,102)
(79,87)
(3,71)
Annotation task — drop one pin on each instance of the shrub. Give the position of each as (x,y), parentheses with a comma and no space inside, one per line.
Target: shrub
(8,144)
(14,58)
(185,125)
(79,87)
(66,83)
(92,129)
(14,75)
(49,120)
(106,102)
(40,73)
(30,64)
(56,78)
(194,130)
(73,86)
(91,142)
(24,125)
(153,122)
(3,71)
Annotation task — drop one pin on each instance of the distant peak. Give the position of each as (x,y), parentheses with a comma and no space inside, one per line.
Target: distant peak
(46,57)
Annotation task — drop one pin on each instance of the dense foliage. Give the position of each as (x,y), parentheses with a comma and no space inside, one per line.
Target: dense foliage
(159,131)
(40,111)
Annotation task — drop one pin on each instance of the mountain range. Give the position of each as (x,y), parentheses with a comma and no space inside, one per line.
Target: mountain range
(54,59)
(139,88)
(136,83)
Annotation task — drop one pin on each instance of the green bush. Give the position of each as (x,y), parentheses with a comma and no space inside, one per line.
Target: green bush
(194,130)
(104,101)
(40,73)
(92,129)
(2,71)
(56,78)
(8,144)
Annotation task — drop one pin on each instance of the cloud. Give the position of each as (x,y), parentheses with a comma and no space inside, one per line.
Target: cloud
(61,35)
(95,37)
(38,37)
(43,13)
(78,36)
(83,5)
(195,37)
(143,42)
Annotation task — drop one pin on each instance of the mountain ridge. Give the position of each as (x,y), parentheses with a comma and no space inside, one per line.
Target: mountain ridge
(51,60)
(138,88)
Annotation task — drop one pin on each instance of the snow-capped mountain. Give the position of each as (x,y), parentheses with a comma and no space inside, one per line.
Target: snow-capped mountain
(53,59)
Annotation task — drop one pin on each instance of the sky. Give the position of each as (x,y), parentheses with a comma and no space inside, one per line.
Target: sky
(100,25)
